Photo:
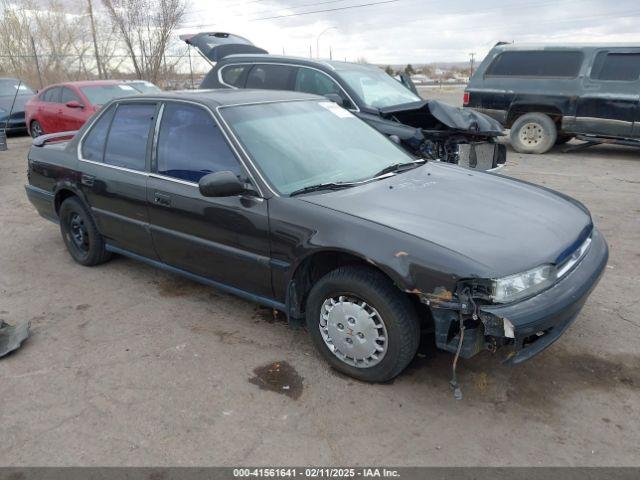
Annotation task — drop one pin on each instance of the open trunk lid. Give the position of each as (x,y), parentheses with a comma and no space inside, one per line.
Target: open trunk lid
(214,46)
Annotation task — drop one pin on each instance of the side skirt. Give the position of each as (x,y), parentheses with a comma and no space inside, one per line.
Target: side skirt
(269,302)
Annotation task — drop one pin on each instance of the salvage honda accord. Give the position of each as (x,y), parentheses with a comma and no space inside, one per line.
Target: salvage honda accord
(290,201)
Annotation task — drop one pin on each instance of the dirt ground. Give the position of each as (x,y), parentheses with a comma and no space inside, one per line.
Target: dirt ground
(128,365)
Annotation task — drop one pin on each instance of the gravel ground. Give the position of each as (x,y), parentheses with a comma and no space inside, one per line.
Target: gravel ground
(128,365)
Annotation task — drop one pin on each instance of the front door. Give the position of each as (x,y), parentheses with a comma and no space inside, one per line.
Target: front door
(114,171)
(222,239)
(608,103)
(72,117)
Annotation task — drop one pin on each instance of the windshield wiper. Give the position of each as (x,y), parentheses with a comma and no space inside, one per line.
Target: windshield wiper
(323,186)
(400,167)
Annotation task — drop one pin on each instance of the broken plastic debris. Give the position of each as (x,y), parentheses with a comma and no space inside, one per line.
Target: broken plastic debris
(11,337)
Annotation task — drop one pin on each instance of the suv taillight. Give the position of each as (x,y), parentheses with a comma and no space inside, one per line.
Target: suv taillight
(465,98)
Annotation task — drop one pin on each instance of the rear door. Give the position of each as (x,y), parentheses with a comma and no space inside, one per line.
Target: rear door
(49,111)
(114,162)
(608,103)
(223,239)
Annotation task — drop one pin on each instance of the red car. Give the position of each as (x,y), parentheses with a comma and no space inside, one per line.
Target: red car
(66,106)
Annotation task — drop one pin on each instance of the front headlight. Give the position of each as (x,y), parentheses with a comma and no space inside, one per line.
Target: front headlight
(514,287)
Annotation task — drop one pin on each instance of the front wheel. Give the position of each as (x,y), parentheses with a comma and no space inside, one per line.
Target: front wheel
(362,324)
(533,133)
(80,234)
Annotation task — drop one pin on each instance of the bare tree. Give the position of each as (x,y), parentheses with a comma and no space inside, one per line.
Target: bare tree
(145,28)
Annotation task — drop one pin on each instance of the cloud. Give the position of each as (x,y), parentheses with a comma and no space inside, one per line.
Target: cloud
(416,31)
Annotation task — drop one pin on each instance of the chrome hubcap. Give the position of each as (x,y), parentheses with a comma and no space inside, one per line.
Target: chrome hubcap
(353,331)
(531,134)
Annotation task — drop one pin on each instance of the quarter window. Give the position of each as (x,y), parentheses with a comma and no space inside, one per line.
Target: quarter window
(128,136)
(93,144)
(191,145)
(542,63)
(271,77)
(624,67)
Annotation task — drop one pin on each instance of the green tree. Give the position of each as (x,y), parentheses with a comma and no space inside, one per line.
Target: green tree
(409,70)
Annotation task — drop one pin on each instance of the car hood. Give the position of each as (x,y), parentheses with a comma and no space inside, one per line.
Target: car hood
(420,114)
(7,100)
(504,225)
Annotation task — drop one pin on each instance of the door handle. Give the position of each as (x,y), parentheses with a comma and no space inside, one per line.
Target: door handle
(162,199)
(87,180)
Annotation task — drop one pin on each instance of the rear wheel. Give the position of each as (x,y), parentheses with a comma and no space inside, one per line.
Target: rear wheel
(80,234)
(533,133)
(36,129)
(362,324)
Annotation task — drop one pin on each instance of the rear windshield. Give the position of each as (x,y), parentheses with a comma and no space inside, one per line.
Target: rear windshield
(541,63)
(101,94)
(11,86)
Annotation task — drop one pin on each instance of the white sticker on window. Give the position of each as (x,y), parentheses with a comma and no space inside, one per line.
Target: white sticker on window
(126,87)
(336,109)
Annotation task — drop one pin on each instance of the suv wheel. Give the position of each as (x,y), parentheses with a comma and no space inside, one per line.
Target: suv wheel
(533,133)
(80,234)
(362,324)
(36,129)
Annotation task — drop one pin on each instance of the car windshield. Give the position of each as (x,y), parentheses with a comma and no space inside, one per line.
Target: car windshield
(101,94)
(377,89)
(9,87)
(145,87)
(306,143)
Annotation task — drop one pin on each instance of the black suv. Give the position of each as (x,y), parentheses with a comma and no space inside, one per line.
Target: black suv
(428,129)
(548,95)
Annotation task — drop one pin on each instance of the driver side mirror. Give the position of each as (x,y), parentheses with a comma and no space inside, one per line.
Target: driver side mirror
(335,98)
(221,184)
(74,104)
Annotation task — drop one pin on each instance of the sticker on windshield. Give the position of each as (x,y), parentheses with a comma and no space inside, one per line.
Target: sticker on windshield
(336,109)
(126,87)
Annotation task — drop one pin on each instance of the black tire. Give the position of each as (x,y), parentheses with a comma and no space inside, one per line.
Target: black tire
(80,234)
(396,312)
(35,129)
(533,133)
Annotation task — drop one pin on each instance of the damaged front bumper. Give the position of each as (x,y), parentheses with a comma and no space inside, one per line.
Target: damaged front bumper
(527,327)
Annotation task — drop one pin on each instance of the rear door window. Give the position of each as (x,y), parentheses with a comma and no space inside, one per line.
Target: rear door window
(191,145)
(623,67)
(129,134)
(271,77)
(93,143)
(52,95)
(234,75)
(541,63)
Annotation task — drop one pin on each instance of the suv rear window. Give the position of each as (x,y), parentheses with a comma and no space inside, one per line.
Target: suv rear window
(616,66)
(539,63)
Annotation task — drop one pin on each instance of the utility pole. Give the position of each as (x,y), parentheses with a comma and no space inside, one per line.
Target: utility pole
(101,73)
(35,56)
(472,57)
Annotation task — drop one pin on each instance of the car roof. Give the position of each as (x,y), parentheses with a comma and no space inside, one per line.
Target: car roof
(226,96)
(317,63)
(87,83)
(563,46)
